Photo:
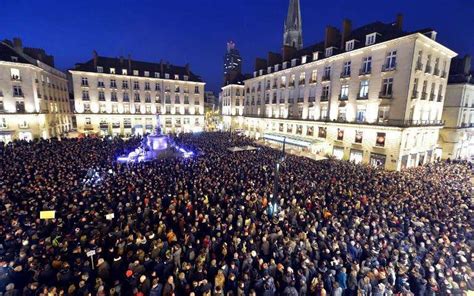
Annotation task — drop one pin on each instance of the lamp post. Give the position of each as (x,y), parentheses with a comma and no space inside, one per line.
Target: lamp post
(276,181)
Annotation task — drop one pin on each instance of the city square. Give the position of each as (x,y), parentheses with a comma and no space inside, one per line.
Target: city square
(338,167)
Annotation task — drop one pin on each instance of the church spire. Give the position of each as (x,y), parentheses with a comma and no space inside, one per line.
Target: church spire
(293,35)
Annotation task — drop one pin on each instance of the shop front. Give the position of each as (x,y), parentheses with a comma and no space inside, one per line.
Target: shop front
(377,160)
(356,156)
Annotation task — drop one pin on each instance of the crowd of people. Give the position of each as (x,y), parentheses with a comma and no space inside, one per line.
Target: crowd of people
(209,225)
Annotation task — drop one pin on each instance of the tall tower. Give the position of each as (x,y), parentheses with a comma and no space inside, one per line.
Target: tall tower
(293,35)
(232,59)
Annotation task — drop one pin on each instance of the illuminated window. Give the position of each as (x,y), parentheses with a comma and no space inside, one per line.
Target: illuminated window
(112,70)
(100,69)
(124,71)
(370,39)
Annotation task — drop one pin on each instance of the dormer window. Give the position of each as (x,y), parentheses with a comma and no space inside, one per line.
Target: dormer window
(167,76)
(100,69)
(185,77)
(135,72)
(329,51)
(370,39)
(112,70)
(304,59)
(285,64)
(147,74)
(269,70)
(277,67)
(124,71)
(293,62)
(157,75)
(260,72)
(254,73)
(315,55)
(350,45)
(14,59)
(176,77)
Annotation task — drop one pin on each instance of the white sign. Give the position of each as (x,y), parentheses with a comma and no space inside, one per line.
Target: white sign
(90,253)
(110,216)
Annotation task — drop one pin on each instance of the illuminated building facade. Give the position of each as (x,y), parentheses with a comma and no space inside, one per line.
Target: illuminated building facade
(373,95)
(34,100)
(118,96)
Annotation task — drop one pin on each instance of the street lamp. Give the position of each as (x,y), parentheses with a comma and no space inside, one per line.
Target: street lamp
(276,181)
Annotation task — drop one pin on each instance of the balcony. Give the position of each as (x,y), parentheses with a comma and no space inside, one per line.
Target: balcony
(428,69)
(440,98)
(424,95)
(16,78)
(363,72)
(385,95)
(345,74)
(300,100)
(343,97)
(282,85)
(100,85)
(312,99)
(436,72)
(313,81)
(326,78)
(432,97)
(103,125)
(443,74)
(274,86)
(291,84)
(18,94)
(127,125)
(324,98)
(419,66)
(363,97)
(389,67)
(302,82)
(466,125)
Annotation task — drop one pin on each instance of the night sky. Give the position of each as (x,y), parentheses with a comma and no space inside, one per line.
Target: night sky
(196,31)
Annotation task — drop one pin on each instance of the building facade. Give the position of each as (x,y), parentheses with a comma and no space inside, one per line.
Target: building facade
(118,96)
(373,95)
(232,59)
(34,100)
(457,137)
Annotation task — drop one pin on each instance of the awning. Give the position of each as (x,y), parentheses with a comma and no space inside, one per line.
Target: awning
(7,132)
(291,140)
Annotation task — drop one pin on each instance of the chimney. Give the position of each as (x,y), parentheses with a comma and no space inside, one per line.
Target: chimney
(94,58)
(331,37)
(399,22)
(466,64)
(288,53)
(162,67)
(130,63)
(273,58)
(18,44)
(346,31)
(260,64)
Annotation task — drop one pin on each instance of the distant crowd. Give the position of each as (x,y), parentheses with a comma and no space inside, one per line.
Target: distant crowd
(208,225)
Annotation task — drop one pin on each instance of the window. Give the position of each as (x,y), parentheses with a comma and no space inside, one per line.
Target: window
(176,89)
(303,59)
(340,134)
(135,72)
(329,51)
(347,69)
(360,115)
(176,77)
(383,113)
(113,96)
(370,39)
(126,97)
(177,99)
(113,83)
(327,73)
(136,97)
(344,92)
(14,59)
(3,123)
(17,92)
(157,87)
(100,83)
(136,85)
(424,90)
(415,88)
(314,76)
(88,121)
(2,107)
(283,81)
(322,131)
(366,65)
(124,71)
(100,69)
(102,108)
(358,137)
(167,76)
(341,115)
(364,89)
(15,74)
(196,89)
(147,85)
(350,45)
(325,93)
(125,84)
(391,60)
(146,73)
(324,112)
(87,107)
(186,77)
(20,106)
(84,81)
(387,87)
(380,142)
(112,70)
(101,95)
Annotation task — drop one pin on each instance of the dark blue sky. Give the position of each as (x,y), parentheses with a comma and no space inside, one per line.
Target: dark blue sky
(196,31)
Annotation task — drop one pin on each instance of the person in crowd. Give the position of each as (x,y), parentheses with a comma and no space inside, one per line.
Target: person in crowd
(203,225)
